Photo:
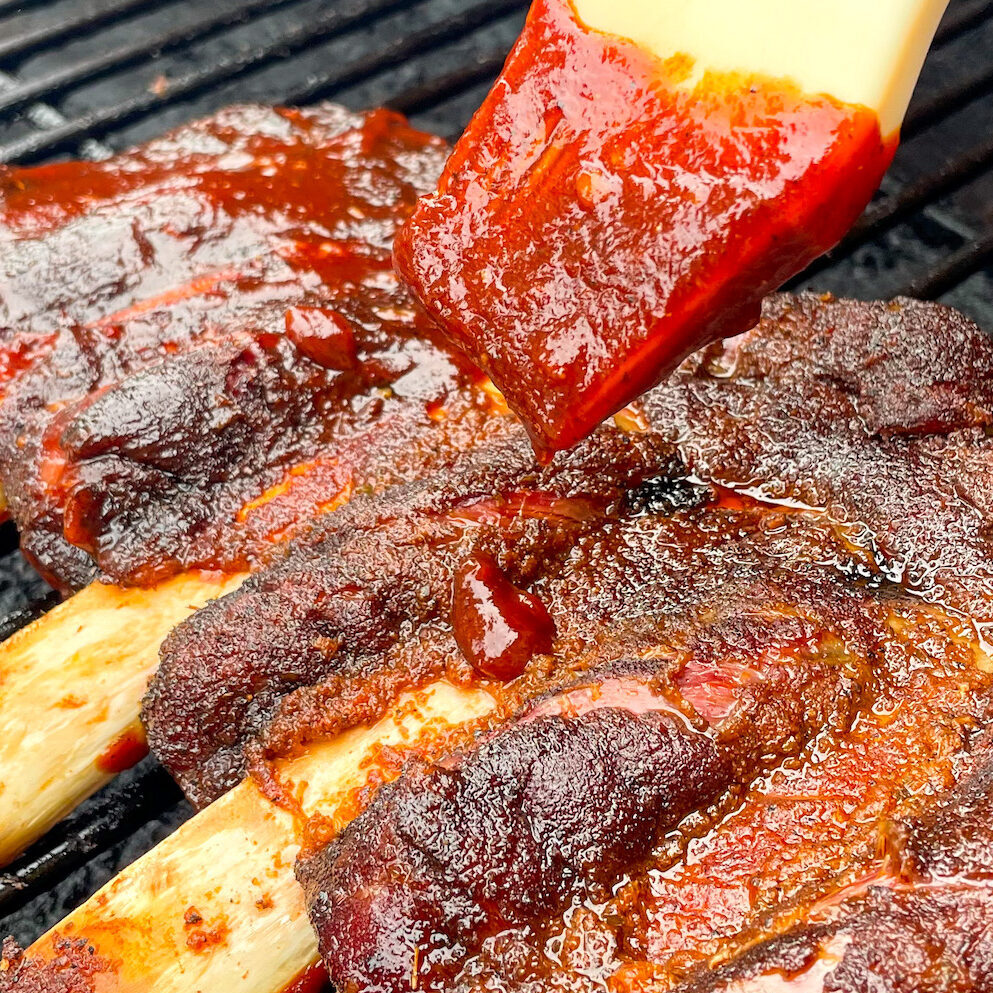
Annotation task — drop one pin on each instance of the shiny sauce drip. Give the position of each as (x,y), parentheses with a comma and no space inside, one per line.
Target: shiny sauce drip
(123,752)
(602,218)
(498,627)
(325,336)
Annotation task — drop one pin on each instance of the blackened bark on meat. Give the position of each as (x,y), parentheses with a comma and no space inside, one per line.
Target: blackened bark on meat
(552,811)
(877,412)
(549,812)
(325,641)
(332,633)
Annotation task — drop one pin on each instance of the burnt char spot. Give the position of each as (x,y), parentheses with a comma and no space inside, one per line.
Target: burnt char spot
(74,968)
(877,412)
(549,812)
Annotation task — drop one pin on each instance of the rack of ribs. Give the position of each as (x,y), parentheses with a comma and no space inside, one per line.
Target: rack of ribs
(897,485)
(203,343)
(733,642)
(202,348)
(710,701)
(742,609)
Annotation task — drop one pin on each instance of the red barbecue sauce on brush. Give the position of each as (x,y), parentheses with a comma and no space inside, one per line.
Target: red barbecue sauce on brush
(601,219)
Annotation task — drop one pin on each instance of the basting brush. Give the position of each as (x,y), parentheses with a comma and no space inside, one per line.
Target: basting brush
(642,174)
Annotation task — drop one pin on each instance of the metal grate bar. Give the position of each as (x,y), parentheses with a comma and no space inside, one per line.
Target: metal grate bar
(58,81)
(337,21)
(964,18)
(44,117)
(969,260)
(44,36)
(12,623)
(17,6)
(405,48)
(53,83)
(965,91)
(422,98)
(111,816)
(910,199)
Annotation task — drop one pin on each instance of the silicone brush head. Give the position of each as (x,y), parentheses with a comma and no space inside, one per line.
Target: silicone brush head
(616,204)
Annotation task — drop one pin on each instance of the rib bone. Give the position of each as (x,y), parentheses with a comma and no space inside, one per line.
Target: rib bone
(70,689)
(216,905)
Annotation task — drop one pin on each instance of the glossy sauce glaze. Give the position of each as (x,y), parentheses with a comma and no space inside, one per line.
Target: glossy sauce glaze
(498,627)
(203,344)
(602,217)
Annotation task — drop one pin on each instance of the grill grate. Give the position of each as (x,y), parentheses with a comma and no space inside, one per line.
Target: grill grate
(86,77)
(45,35)
(56,82)
(338,19)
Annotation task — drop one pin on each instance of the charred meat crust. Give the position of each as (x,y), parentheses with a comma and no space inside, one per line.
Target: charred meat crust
(547,812)
(550,812)
(329,635)
(332,634)
(778,409)
(446,880)
(878,413)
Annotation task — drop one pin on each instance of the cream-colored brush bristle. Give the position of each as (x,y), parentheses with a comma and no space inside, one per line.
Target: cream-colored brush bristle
(216,905)
(867,54)
(71,685)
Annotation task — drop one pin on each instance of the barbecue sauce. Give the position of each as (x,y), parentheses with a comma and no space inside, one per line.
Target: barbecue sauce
(603,217)
(498,627)
(232,355)
(325,336)
(123,752)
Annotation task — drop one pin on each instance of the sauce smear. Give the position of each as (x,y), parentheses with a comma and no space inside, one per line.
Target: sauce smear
(125,751)
(607,213)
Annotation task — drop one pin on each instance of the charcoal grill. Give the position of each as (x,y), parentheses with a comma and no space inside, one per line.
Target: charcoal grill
(85,78)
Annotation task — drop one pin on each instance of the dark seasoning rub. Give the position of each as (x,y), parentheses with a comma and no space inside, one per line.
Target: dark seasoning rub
(803,719)
(711,651)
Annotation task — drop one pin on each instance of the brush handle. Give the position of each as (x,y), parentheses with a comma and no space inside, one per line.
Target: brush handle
(864,53)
